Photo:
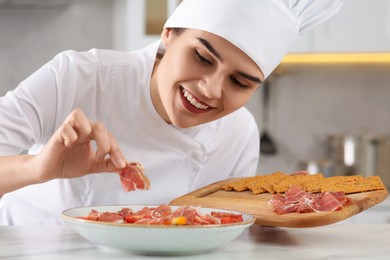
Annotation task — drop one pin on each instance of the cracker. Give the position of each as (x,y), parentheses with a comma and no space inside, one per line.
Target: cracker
(240,185)
(302,181)
(281,182)
(314,186)
(265,182)
(374,183)
(368,184)
(347,184)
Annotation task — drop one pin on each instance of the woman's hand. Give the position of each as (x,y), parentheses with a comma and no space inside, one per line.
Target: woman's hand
(69,152)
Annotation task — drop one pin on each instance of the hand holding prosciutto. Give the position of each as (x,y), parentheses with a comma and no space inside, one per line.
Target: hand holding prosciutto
(69,152)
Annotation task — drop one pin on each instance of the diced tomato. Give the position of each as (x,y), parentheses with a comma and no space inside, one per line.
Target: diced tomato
(227,218)
(132,218)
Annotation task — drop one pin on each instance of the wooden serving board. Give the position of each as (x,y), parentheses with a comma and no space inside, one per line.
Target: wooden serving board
(212,196)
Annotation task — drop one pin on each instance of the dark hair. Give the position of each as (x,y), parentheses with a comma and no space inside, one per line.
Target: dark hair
(178,31)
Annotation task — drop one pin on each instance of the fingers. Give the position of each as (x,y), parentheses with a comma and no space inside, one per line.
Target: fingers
(116,154)
(100,135)
(107,145)
(78,129)
(68,135)
(81,124)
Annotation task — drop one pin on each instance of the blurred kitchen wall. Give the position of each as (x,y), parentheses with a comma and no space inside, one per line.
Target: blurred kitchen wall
(311,102)
(32,32)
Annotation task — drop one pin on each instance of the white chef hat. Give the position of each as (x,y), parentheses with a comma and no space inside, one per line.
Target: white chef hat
(263,29)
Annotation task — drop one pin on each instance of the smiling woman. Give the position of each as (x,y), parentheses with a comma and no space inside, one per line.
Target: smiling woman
(176,106)
(212,79)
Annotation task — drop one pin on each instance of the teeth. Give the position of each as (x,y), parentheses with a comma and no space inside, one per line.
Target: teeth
(193,101)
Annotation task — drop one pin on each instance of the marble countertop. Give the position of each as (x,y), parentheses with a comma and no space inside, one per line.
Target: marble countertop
(337,241)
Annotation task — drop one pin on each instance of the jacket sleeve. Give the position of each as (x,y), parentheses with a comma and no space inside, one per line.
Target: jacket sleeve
(28,113)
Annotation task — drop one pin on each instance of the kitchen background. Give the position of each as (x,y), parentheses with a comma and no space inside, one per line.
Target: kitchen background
(308,101)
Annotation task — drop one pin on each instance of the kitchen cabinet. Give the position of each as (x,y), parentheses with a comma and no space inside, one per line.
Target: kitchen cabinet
(360,26)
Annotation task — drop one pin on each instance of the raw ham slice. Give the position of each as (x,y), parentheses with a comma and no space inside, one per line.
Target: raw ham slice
(161,211)
(104,217)
(298,200)
(133,177)
(331,204)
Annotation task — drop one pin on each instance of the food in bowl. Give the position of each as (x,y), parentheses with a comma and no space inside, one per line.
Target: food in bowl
(173,239)
(164,215)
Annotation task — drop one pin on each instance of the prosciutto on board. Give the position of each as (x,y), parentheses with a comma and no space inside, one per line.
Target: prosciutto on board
(133,178)
(300,201)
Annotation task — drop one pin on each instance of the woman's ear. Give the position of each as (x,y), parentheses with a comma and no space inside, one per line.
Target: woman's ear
(166,36)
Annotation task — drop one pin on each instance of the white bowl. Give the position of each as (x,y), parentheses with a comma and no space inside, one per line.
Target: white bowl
(154,239)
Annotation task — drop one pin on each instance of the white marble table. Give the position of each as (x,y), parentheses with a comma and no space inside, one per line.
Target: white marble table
(338,241)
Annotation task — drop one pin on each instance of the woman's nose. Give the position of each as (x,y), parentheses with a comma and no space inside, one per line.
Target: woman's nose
(211,87)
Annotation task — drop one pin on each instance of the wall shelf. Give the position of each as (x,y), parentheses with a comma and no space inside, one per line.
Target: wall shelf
(347,58)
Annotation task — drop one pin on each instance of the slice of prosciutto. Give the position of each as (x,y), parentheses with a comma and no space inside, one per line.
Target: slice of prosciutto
(297,200)
(133,178)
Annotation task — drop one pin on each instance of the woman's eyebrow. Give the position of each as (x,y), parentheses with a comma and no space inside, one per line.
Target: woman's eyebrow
(213,51)
(252,78)
(209,47)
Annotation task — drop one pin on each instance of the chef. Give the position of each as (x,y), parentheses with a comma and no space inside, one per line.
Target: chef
(176,106)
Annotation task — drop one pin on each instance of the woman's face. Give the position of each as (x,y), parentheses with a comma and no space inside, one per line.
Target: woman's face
(201,78)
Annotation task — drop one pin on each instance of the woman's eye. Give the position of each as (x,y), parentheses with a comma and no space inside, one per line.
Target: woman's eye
(237,83)
(201,58)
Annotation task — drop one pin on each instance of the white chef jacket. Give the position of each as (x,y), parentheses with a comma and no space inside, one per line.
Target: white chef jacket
(114,88)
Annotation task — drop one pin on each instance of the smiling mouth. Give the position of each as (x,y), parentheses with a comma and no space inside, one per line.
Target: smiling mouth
(191,103)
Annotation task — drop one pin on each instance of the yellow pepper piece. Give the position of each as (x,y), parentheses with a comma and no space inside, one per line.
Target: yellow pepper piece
(179,221)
